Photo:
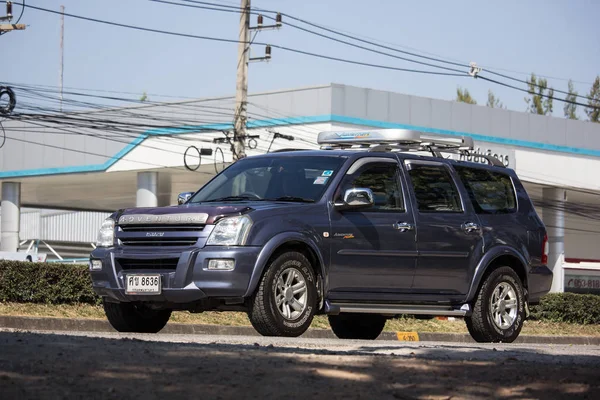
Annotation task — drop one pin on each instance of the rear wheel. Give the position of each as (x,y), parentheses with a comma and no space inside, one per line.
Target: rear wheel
(499,309)
(131,317)
(285,302)
(357,326)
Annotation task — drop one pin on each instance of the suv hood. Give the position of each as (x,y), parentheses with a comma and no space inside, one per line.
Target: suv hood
(191,213)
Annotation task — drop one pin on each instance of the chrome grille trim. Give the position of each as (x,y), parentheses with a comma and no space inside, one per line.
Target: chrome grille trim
(158,241)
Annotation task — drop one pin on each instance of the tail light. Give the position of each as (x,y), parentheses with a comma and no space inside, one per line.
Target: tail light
(545,249)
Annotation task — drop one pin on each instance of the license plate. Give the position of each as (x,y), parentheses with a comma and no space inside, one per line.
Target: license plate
(142,284)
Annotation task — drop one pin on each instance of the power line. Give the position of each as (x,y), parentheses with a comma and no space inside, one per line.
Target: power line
(97,121)
(104,125)
(284,48)
(536,85)
(335,39)
(101,91)
(539,94)
(216,7)
(354,37)
(489,68)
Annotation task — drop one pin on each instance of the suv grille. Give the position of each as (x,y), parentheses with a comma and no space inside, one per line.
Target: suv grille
(162,228)
(159,241)
(160,263)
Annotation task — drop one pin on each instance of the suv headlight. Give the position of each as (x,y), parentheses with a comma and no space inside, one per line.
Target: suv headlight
(230,231)
(106,234)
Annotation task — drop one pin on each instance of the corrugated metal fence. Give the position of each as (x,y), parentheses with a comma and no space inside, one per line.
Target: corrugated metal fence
(72,227)
(61,226)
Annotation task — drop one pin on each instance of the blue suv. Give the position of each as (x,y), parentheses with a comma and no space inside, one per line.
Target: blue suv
(366,229)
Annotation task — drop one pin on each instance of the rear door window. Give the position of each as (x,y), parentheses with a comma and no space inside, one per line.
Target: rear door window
(490,192)
(434,188)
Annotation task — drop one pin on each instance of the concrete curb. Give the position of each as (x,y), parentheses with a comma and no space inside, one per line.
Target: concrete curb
(94,325)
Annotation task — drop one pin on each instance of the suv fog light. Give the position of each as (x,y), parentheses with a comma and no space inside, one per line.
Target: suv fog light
(223,265)
(96,265)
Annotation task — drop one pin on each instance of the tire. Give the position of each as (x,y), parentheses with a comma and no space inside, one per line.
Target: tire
(130,317)
(266,316)
(483,324)
(357,326)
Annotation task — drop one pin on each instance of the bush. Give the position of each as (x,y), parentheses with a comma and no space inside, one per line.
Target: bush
(26,282)
(568,307)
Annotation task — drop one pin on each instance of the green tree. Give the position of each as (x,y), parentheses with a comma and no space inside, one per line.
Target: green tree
(144,96)
(593,108)
(463,96)
(541,98)
(493,101)
(570,109)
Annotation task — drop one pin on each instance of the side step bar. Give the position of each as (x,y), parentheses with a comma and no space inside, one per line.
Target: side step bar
(395,309)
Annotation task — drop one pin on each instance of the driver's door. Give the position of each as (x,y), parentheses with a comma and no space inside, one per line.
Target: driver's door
(373,250)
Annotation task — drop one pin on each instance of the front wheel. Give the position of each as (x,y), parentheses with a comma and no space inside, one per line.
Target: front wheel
(499,309)
(139,318)
(357,326)
(285,301)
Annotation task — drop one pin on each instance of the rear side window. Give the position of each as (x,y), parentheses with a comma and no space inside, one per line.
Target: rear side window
(490,192)
(434,188)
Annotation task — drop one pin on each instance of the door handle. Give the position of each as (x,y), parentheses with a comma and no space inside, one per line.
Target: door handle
(403,226)
(470,227)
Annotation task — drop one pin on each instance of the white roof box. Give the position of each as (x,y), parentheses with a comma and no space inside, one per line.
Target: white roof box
(400,139)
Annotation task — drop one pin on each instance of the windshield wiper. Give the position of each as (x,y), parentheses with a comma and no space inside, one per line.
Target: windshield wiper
(293,198)
(228,198)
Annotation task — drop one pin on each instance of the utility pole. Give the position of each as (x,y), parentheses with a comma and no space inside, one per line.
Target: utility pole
(8,17)
(241,93)
(241,87)
(62,53)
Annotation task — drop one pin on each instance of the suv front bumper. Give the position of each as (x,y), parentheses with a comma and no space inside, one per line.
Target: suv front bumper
(187,281)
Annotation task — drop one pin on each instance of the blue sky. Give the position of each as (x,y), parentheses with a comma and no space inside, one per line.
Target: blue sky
(550,37)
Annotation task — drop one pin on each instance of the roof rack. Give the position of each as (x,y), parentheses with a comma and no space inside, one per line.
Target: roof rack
(400,140)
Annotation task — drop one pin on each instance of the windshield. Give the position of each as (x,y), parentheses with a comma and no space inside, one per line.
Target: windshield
(298,178)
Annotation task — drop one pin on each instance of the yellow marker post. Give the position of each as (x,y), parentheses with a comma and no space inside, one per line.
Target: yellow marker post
(408,336)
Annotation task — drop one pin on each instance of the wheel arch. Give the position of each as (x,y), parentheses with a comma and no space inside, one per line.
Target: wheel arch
(288,241)
(500,257)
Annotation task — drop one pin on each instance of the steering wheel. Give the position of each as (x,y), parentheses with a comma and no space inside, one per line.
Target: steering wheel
(250,194)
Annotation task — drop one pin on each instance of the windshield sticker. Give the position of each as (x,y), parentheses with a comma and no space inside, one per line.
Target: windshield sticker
(320,180)
(327,172)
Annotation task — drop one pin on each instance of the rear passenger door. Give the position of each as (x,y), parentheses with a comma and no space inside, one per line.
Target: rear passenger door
(449,238)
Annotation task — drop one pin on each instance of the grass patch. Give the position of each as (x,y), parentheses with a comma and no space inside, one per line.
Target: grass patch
(240,319)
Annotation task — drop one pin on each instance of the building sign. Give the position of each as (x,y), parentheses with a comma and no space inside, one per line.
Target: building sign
(503,155)
(580,282)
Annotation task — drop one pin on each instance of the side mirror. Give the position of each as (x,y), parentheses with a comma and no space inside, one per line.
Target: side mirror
(183,197)
(356,198)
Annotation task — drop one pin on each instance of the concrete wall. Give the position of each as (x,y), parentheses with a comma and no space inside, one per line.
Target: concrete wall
(516,127)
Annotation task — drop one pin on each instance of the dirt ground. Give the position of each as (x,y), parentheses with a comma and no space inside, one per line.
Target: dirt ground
(53,366)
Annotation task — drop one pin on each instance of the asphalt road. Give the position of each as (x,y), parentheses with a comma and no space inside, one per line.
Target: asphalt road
(46,365)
